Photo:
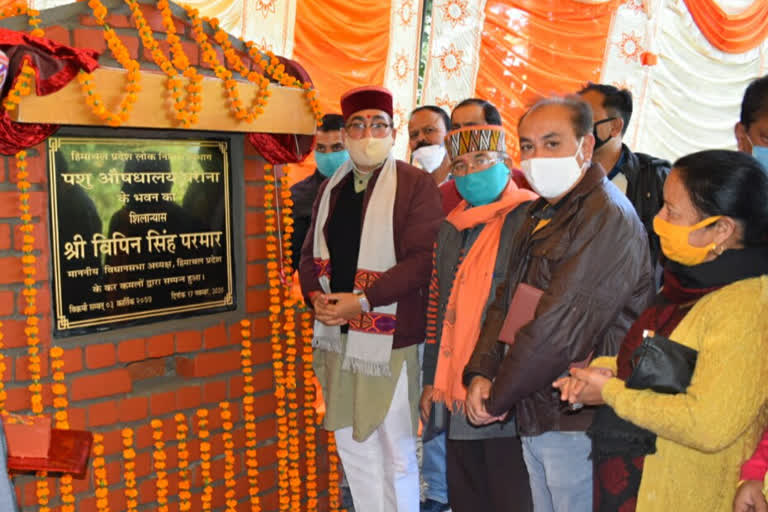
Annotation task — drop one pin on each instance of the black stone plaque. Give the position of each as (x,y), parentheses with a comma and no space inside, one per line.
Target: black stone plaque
(140,230)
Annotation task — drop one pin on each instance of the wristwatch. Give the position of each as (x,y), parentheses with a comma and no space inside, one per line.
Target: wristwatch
(365,306)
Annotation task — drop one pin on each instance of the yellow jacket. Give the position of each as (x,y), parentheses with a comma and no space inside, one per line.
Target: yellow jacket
(706,433)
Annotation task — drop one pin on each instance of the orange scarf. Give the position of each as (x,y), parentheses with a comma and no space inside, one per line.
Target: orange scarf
(471,287)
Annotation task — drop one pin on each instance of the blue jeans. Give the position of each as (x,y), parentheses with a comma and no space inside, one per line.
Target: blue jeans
(560,471)
(433,469)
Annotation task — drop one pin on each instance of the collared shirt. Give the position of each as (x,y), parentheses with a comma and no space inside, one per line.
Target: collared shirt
(616,176)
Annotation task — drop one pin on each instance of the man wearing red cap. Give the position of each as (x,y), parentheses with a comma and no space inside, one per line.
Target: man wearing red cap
(365,268)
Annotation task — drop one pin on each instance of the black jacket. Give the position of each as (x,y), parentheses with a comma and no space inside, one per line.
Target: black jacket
(645,190)
(303,194)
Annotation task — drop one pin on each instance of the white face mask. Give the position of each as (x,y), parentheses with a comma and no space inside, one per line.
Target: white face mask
(552,177)
(369,151)
(429,158)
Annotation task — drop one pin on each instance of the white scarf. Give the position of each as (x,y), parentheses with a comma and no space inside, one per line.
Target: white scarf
(367,351)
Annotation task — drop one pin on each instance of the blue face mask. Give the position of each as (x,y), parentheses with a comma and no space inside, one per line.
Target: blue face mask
(327,163)
(761,155)
(485,186)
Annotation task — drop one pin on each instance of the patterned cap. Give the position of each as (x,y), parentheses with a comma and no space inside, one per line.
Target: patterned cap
(475,138)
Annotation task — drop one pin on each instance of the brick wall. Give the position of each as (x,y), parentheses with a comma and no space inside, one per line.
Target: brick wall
(130,380)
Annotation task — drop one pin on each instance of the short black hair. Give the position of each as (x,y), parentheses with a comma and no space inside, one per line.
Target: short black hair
(616,101)
(732,184)
(331,123)
(755,102)
(581,112)
(437,110)
(490,112)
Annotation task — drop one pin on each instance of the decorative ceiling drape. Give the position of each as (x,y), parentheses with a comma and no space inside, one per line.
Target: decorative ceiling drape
(534,48)
(727,31)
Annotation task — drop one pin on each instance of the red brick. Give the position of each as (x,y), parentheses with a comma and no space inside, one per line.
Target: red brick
(6,303)
(39,232)
(254,167)
(73,360)
(22,363)
(261,353)
(188,341)
(162,403)
(261,327)
(188,397)
(100,385)
(9,204)
(58,34)
(209,363)
(113,20)
(215,337)
(14,336)
(256,274)
(77,418)
(255,223)
(5,237)
(134,409)
(100,356)
(12,268)
(89,38)
(255,249)
(155,19)
(257,301)
(131,350)
(254,196)
(160,346)
(104,413)
(214,392)
(148,369)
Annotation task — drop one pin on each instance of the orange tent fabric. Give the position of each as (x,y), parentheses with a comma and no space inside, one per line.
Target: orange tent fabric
(732,33)
(534,48)
(342,45)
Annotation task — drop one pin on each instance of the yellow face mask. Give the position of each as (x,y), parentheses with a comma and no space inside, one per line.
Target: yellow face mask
(674,241)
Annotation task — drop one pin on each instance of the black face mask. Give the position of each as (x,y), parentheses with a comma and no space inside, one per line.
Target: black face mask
(598,141)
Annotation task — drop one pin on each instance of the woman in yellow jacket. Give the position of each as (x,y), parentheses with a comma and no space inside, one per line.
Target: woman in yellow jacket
(682,452)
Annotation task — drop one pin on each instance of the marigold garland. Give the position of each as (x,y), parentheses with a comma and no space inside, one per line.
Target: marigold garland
(310,429)
(61,416)
(3,393)
(334,476)
(229,457)
(34,22)
(159,457)
(249,416)
(13,10)
(133,77)
(100,474)
(285,230)
(186,112)
(183,456)
(129,468)
(31,331)
(23,87)
(205,457)
(275,308)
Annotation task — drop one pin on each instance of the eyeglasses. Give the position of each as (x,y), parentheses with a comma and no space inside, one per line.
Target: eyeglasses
(379,129)
(478,162)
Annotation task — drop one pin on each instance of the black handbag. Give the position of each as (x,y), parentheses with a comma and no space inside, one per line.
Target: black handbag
(662,365)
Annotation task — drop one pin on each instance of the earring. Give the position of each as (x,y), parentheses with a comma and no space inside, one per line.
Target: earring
(719,250)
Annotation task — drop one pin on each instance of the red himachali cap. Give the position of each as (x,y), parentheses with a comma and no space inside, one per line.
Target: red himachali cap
(368,97)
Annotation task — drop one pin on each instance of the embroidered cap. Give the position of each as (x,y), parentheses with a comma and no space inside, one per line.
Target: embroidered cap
(475,138)
(362,98)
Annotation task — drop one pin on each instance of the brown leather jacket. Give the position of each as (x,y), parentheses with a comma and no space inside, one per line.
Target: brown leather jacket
(592,262)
